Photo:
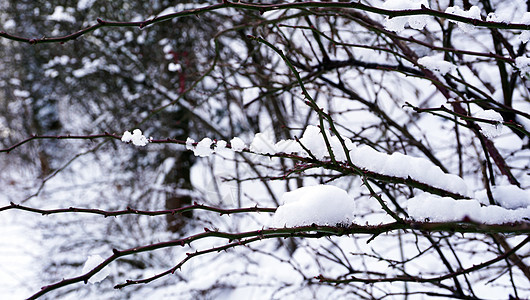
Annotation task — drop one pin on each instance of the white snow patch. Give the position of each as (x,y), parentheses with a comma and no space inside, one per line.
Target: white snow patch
(437,64)
(313,141)
(472,13)
(525,34)
(444,209)
(189,143)
(137,138)
(84,4)
(89,67)
(395,165)
(21,93)
(60,14)
(92,262)
(398,23)
(237,144)
(404,166)
(10,24)
(507,196)
(490,130)
(288,146)
(173,67)
(320,204)
(139,77)
(262,144)
(220,145)
(523,63)
(203,148)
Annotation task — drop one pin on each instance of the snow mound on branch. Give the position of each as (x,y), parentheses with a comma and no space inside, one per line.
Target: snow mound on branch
(507,196)
(444,209)
(525,34)
(398,23)
(490,130)
(262,144)
(437,64)
(203,148)
(92,262)
(523,63)
(472,13)
(189,143)
(237,144)
(320,204)
(137,138)
(405,166)
(312,143)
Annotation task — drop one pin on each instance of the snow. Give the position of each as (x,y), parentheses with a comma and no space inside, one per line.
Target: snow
(364,157)
(60,14)
(220,146)
(288,146)
(404,166)
(437,64)
(137,138)
(490,130)
(139,77)
(398,23)
(10,24)
(507,196)
(84,4)
(493,17)
(525,34)
(472,13)
(444,209)
(92,262)
(89,67)
(21,93)
(173,67)
(237,144)
(523,63)
(320,204)
(189,143)
(262,144)
(313,141)
(203,148)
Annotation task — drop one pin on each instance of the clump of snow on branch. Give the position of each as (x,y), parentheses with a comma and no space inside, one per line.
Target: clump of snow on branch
(398,23)
(92,262)
(189,143)
(493,17)
(437,64)
(205,147)
(472,13)
(237,144)
(523,63)
(312,143)
(525,34)
(404,166)
(320,204)
(444,209)
(262,144)
(137,138)
(490,130)
(507,196)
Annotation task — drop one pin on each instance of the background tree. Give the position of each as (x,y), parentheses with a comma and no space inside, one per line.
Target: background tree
(222,70)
